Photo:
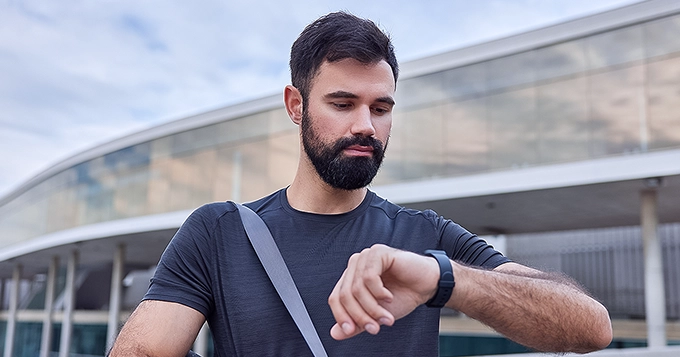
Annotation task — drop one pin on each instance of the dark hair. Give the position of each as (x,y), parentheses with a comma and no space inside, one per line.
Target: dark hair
(334,37)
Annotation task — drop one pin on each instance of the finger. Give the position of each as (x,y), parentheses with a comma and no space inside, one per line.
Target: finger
(345,326)
(347,310)
(370,292)
(339,334)
(350,292)
(362,289)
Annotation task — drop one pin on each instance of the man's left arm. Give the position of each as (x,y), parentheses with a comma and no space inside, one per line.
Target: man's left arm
(545,311)
(382,284)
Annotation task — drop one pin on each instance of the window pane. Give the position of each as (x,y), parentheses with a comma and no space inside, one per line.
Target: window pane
(423,143)
(511,71)
(615,47)
(254,171)
(421,90)
(561,60)
(466,81)
(562,109)
(513,129)
(466,144)
(393,164)
(663,83)
(191,180)
(661,37)
(617,102)
(283,151)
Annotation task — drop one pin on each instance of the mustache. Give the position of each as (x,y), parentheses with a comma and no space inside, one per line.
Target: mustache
(344,143)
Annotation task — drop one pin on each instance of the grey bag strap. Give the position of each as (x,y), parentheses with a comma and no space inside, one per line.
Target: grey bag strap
(273,263)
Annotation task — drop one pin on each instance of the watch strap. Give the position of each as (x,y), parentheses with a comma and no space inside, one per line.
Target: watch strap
(446,279)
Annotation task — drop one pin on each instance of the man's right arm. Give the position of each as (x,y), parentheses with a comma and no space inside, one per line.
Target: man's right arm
(158,329)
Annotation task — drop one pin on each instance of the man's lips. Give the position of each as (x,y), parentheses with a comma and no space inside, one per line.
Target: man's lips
(358,150)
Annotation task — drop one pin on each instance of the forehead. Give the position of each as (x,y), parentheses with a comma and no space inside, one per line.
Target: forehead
(350,75)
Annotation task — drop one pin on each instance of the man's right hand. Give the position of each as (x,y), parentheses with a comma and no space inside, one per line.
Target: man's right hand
(380,285)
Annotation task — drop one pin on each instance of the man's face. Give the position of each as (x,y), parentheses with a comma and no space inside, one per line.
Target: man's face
(346,122)
(336,169)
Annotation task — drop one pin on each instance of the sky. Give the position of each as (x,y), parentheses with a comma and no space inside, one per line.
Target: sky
(78,73)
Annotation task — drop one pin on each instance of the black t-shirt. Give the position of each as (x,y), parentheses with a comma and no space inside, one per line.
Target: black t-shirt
(210,266)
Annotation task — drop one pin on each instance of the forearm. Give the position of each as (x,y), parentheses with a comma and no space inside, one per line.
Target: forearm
(534,311)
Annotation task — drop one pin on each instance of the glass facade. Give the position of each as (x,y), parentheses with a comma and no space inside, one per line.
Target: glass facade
(612,93)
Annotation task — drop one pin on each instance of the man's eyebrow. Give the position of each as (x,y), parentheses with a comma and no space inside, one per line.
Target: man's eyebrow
(349,95)
(387,100)
(341,94)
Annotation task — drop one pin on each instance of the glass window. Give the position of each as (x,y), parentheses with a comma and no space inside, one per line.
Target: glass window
(133,156)
(158,192)
(161,147)
(423,139)
(617,111)
(562,109)
(194,139)
(62,209)
(279,121)
(393,164)
(466,81)
(615,47)
(661,36)
(511,71)
(191,180)
(283,151)
(466,146)
(130,193)
(513,128)
(425,89)
(254,167)
(561,60)
(663,81)
(244,128)
(224,174)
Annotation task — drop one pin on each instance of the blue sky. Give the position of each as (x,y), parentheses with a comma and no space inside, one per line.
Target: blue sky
(74,74)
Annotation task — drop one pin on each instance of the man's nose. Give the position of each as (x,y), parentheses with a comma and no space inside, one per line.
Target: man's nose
(363,123)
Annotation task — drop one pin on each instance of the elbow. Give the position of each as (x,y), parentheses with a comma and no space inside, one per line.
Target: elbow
(600,335)
(604,333)
(602,338)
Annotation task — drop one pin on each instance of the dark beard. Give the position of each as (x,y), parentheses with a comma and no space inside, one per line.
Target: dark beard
(347,173)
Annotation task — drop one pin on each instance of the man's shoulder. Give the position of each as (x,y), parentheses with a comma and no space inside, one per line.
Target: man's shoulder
(214,210)
(395,211)
(219,209)
(271,201)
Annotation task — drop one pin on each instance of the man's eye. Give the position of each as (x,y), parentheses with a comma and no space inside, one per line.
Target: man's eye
(341,105)
(379,110)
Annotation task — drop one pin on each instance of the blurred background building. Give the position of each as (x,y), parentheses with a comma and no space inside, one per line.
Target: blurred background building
(560,145)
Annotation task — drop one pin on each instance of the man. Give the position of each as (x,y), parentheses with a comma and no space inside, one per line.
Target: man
(353,255)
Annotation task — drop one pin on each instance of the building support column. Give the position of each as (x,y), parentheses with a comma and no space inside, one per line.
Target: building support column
(655,298)
(69,302)
(2,294)
(201,343)
(12,313)
(116,294)
(46,341)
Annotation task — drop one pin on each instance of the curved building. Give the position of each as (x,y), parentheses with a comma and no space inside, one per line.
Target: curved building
(561,144)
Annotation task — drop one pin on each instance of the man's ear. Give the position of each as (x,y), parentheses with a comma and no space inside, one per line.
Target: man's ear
(293,101)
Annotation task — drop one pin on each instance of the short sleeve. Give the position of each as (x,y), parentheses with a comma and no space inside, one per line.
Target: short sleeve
(182,275)
(466,247)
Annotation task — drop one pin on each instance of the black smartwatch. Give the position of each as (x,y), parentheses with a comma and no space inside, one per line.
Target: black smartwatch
(446,281)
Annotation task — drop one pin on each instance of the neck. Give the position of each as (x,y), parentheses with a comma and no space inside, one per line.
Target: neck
(309,193)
